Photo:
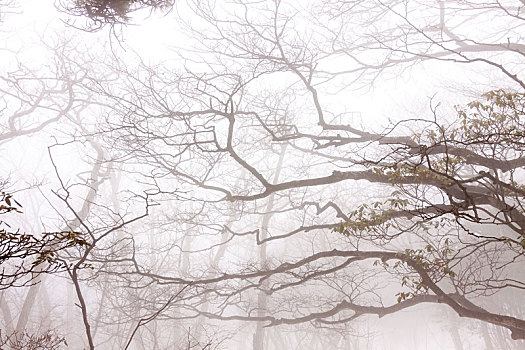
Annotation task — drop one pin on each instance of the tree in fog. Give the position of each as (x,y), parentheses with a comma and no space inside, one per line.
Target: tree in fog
(34,102)
(253,187)
(433,203)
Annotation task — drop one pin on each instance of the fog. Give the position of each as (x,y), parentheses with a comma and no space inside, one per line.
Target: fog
(262,174)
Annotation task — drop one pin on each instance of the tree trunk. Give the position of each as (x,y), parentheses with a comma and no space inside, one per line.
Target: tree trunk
(262,298)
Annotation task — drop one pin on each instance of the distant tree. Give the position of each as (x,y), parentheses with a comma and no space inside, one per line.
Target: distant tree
(6,7)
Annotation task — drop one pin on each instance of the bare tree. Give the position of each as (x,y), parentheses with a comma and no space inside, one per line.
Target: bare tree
(45,341)
(283,208)
(7,7)
(447,227)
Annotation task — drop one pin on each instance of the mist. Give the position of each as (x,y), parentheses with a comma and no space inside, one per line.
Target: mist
(266,175)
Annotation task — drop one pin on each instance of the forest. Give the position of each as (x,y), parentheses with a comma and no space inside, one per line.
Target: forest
(262,174)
